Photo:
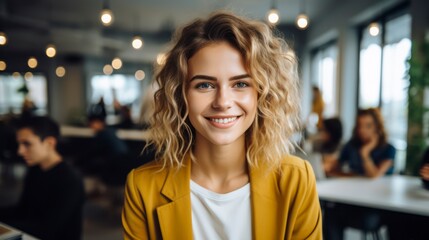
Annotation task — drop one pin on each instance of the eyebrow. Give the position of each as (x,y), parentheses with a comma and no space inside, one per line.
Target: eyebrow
(211,78)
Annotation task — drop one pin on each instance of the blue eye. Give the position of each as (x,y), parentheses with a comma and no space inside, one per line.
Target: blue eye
(204,85)
(241,85)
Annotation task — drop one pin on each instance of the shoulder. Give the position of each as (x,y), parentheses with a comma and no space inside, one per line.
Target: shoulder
(295,178)
(389,149)
(147,177)
(296,172)
(293,163)
(69,174)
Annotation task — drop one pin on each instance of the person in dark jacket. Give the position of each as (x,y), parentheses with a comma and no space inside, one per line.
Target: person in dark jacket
(424,170)
(50,206)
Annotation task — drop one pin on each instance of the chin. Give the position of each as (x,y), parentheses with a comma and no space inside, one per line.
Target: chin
(223,140)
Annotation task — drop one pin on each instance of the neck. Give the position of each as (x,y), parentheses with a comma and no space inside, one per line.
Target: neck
(220,168)
(51,161)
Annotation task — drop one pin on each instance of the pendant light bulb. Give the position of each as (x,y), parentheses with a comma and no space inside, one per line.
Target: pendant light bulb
(302,21)
(51,51)
(3,38)
(106,15)
(137,42)
(273,16)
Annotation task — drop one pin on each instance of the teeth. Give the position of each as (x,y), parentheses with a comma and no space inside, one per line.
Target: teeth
(223,120)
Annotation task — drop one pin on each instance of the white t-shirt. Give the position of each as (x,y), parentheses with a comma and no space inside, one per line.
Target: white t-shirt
(221,216)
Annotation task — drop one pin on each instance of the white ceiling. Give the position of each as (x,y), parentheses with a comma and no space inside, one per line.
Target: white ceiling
(75,28)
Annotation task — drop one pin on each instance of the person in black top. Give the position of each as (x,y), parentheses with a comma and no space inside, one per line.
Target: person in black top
(424,170)
(50,206)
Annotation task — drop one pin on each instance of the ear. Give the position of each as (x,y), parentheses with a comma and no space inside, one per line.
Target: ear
(51,141)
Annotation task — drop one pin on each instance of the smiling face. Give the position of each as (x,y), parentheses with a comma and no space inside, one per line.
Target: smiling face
(222,98)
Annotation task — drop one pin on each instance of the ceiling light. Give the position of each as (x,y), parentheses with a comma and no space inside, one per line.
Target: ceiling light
(51,51)
(106,15)
(16,75)
(140,74)
(2,65)
(302,21)
(273,16)
(107,69)
(32,62)
(3,38)
(116,63)
(28,76)
(60,71)
(374,29)
(137,42)
(160,59)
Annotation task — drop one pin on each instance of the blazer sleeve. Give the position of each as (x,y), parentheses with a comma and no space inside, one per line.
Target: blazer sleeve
(134,221)
(308,224)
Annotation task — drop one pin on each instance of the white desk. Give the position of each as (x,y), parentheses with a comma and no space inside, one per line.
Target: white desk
(394,193)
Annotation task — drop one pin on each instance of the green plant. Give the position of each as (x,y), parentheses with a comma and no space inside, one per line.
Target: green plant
(418,105)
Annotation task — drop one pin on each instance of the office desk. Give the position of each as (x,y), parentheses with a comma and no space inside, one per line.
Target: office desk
(85,132)
(402,194)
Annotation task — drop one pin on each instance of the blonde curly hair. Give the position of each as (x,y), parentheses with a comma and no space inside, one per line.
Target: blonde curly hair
(270,63)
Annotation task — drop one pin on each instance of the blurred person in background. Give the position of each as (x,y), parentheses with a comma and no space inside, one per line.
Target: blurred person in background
(317,106)
(368,153)
(424,170)
(323,148)
(50,206)
(106,152)
(329,142)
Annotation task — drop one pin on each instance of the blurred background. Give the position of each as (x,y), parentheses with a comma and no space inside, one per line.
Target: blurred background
(69,59)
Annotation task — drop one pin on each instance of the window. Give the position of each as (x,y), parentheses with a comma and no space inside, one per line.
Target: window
(124,89)
(11,98)
(383,82)
(323,75)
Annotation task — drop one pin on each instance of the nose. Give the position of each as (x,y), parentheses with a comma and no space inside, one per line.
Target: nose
(21,150)
(223,99)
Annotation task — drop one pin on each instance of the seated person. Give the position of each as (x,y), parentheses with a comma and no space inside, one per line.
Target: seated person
(106,153)
(424,170)
(51,203)
(368,153)
(331,133)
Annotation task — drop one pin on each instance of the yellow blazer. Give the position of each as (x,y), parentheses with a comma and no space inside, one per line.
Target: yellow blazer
(284,205)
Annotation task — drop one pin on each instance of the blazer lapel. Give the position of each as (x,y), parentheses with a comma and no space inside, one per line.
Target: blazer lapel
(175,218)
(264,204)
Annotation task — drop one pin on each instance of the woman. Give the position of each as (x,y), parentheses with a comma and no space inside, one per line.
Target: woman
(225,110)
(368,153)
(331,134)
